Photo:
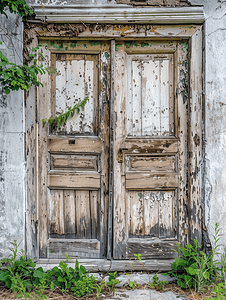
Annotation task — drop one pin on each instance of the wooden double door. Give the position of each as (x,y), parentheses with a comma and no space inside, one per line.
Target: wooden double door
(112,181)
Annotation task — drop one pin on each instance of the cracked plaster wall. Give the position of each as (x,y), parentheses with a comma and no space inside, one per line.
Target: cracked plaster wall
(12,164)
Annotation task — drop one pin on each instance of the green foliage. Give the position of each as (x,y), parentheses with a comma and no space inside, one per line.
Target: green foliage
(85,286)
(132,285)
(218,292)
(14,77)
(18,7)
(63,117)
(195,269)
(157,284)
(112,282)
(138,256)
(21,277)
(99,289)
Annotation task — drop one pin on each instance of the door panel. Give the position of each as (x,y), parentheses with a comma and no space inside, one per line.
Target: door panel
(73,181)
(148,149)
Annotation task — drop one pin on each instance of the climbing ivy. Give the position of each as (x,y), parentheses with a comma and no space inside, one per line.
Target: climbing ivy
(63,117)
(14,77)
(18,7)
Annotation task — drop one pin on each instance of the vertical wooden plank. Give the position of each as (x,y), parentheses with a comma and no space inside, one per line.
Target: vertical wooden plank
(93,196)
(151,214)
(75,91)
(89,82)
(43,112)
(83,215)
(165,214)
(56,212)
(136,213)
(111,152)
(195,137)
(164,96)
(60,92)
(129,106)
(53,85)
(31,150)
(182,103)
(171,95)
(104,96)
(121,233)
(69,213)
(137,96)
(151,98)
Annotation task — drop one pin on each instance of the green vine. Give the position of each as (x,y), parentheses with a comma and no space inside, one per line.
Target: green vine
(18,7)
(14,77)
(63,117)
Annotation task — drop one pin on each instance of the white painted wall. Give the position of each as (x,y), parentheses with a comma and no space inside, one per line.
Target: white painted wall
(12,164)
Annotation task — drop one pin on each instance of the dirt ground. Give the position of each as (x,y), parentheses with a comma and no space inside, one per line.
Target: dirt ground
(57,294)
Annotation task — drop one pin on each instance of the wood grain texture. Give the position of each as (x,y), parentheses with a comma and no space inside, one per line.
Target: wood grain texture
(55,212)
(195,138)
(43,112)
(69,212)
(74,181)
(104,265)
(151,164)
(181,222)
(73,162)
(76,71)
(150,181)
(149,94)
(74,248)
(151,214)
(74,145)
(151,248)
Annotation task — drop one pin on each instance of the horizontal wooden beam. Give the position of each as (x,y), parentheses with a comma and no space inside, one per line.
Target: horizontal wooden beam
(104,265)
(150,181)
(151,146)
(119,14)
(74,145)
(149,248)
(90,181)
(74,248)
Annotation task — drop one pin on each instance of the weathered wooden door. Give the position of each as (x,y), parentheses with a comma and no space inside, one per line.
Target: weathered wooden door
(73,159)
(150,148)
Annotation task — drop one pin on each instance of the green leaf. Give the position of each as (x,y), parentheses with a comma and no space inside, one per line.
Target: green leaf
(191,271)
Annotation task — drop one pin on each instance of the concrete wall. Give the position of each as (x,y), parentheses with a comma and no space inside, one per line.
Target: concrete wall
(12,164)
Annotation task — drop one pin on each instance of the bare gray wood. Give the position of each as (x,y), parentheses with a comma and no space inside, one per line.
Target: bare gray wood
(150,163)
(74,145)
(74,248)
(104,265)
(88,181)
(150,181)
(196,138)
(73,162)
(151,248)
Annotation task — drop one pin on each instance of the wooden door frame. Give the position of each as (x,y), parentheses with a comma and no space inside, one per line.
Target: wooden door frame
(193,34)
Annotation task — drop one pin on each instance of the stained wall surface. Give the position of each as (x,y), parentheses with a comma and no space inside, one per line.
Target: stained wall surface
(12,162)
